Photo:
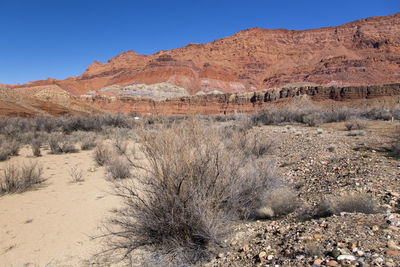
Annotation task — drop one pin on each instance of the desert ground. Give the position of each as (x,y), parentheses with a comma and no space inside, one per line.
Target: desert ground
(53,223)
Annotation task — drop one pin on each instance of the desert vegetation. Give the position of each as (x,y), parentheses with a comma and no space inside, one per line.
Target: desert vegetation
(16,179)
(192,184)
(188,182)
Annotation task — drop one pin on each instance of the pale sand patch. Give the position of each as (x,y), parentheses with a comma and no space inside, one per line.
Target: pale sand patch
(53,224)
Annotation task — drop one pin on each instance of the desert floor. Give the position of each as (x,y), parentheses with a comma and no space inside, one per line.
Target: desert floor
(53,224)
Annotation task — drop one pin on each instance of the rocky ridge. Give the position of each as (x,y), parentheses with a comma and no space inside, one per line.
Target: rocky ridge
(363,52)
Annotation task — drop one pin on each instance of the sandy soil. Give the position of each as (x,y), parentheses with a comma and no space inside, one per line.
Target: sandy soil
(53,225)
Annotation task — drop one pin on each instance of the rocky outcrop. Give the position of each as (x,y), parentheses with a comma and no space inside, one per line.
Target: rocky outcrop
(364,52)
(229,103)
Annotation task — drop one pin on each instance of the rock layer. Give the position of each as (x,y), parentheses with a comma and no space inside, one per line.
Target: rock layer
(229,103)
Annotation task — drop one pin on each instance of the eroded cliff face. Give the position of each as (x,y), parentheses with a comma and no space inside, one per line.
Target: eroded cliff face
(247,102)
(364,52)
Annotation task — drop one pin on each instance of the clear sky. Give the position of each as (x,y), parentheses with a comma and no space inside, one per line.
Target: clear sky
(60,38)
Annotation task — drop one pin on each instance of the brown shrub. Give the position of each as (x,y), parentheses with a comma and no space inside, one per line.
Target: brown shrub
(118,168)
(35,145)
(356,125)
(15,179)
(102,154)
(180,200)
(357,202)
(76,174)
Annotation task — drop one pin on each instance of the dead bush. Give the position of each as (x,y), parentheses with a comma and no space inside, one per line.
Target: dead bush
(102,154)
(35,145)
(259,146)
(4,152)
(120,145)
(61,144)
(313,119)
(355,125)
(357,202)
(88,142)
(118,168)
(180,201)
(76,174)
(395,149)
(16,179)
(280,201)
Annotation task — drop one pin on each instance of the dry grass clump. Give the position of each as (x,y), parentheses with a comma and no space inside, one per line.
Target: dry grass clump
(14,179)
(356,125)
(348,202)
(9,148)
(88,142)
(102,154)
(35,145)
(180,200)
(357,202)
(76,174)
(61,144)
(395,149)
(118,168)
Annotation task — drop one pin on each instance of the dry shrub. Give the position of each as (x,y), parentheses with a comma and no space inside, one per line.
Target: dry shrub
(88,142)
(118,168)
(349,202)
(357,202)
(15,179)
(280,202)
(184,193)
(76,174)
(355,125)
(61,144)
(395,149)
(35,145)
(13,147)
(102,154)
(4,152)
(120,145)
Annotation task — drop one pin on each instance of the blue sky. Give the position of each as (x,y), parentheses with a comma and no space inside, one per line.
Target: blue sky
(60,38)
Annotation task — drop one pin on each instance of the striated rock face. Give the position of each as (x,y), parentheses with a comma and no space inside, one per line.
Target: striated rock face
(229,103)
(364,52)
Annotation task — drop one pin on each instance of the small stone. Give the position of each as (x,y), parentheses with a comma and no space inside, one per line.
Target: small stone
(351,245)
(335,253)
(300,257)
(317,236)
(375,228)
(332,263)
(392,253)
(242,255)
(318,262)
(270,257)
(379,259)
(392,245)
(220,255)
(346,257)
(245,248)
(262,254)
(360,253)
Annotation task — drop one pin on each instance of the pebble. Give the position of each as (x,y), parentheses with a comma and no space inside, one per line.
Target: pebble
(392,245)
(335,253)
(392,253)
(318,262)
(346,257)
(332,263)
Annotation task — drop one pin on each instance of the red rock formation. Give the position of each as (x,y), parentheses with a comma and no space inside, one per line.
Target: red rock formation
(248,102)
(364,52)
